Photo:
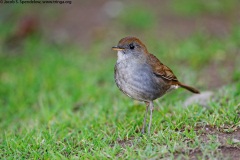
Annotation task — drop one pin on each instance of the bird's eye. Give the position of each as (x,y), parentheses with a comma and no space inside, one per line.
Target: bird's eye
(131,46)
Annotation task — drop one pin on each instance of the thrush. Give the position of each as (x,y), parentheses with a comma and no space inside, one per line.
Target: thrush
(142,76)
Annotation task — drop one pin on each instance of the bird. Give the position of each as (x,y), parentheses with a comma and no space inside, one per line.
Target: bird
(142,76)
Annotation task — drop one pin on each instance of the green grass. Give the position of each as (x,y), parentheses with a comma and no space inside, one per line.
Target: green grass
(137,17)
(61,102)
(201,7)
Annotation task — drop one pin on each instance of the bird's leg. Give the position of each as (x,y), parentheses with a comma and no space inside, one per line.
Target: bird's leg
(151,111)
(145,117)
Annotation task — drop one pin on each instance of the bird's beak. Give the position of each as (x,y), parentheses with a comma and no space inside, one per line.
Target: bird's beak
(116,48)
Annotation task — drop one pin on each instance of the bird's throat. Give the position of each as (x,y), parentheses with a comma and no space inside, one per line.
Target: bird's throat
(121,56)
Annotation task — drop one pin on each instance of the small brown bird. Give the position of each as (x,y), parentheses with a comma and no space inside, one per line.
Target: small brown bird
(141,76)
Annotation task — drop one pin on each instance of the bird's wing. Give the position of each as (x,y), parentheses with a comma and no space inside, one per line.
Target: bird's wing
(159,69)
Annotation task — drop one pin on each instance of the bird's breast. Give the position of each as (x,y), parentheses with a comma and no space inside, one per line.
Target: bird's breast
(138,81)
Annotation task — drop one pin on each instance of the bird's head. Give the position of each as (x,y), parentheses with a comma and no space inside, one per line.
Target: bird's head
(130,46)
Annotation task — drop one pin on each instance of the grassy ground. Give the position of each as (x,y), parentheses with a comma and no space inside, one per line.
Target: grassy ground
(58,105)
(60,101)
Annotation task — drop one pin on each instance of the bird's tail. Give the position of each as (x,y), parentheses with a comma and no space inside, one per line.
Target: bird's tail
(191,89)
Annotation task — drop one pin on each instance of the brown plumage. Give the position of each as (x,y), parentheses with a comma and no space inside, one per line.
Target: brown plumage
(141,76)
(166,73)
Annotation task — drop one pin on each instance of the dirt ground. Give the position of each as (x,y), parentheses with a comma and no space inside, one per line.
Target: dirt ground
(228,151)
(232,152)
(86,21)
